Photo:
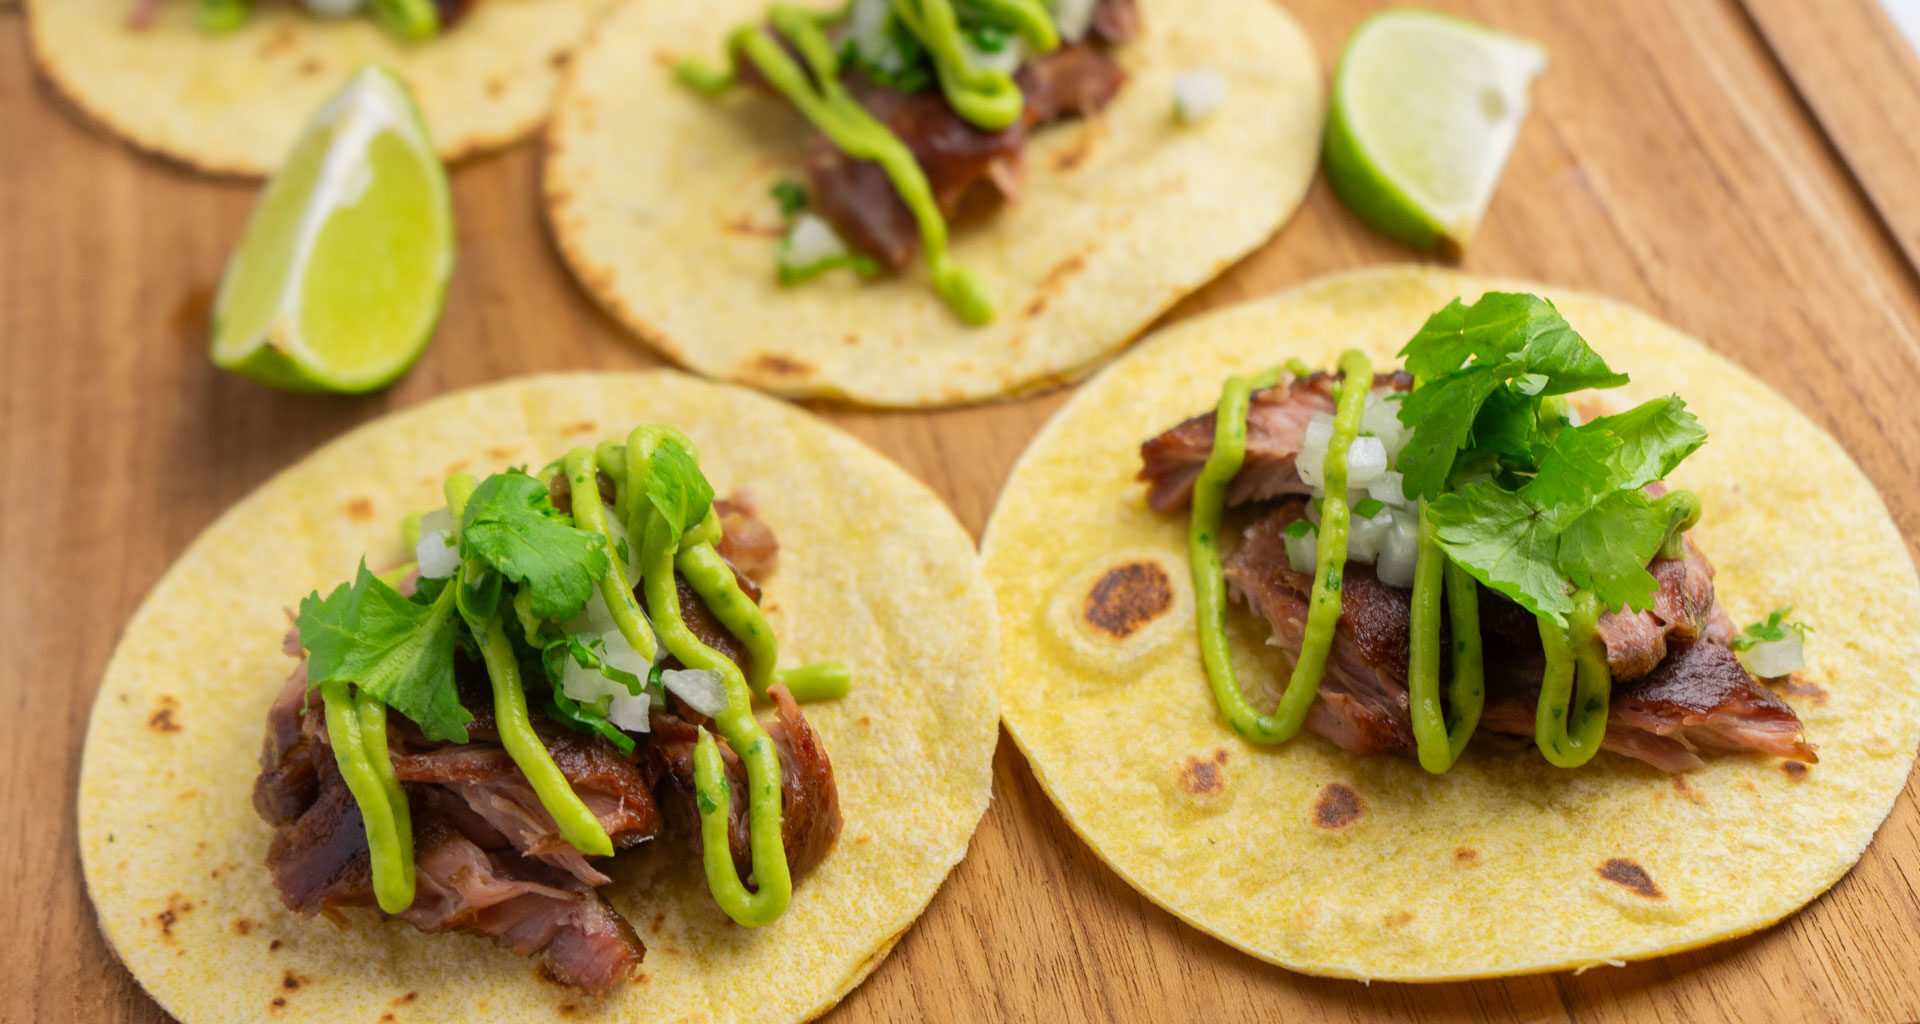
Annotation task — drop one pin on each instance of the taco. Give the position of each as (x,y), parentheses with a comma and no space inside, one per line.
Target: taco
(540,724)
(224,85)
(1443,675)
(918,202)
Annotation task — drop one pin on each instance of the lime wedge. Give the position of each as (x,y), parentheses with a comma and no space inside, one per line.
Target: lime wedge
(339,279)
(1425,110)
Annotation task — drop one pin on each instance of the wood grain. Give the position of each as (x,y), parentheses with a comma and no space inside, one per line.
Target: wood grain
(1671,162)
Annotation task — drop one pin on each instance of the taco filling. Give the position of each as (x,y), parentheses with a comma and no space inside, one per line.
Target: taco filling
(469,737)
(1451,548)
(410,20)
(920,111)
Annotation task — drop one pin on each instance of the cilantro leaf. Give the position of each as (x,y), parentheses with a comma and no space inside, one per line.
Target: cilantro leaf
(677,490)
(395,649)
(1553,350)
(1491,330)
(1774,628)
(511,525)
(1649,439)
(1441,415)
(1607,550)
(1507,542)
(791,197)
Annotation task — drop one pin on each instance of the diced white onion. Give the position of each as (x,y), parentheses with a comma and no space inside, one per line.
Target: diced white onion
(867,22)
(332,8)
(1775,659)
(629,711)
(1398,550)
(1366,460)
(436,554)
(809,241)
(1198,93)
(1073,18)
(1312,460)
(587,684)
(594,619)
(1303,552)
(700,688)
(1006,60)
(1365,536)
(618,653)
(1387,487)
(1381,418)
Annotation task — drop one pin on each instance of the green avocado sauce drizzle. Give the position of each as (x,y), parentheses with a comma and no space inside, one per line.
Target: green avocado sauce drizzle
(1323,609)
(1571,716)
(357,719)
(409,20)
(986,97)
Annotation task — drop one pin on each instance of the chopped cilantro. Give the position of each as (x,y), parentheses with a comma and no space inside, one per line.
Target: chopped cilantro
(1369,508)
(677,490)
(397,650)
(1530,505)
(1298,528)
(1773,629)
(791,197)
(511,525)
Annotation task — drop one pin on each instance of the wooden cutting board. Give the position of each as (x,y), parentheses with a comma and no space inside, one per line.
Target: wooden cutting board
(1744,170)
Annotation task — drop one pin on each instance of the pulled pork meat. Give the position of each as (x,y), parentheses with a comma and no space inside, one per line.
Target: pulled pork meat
(488,857)
(1678,689)
(964,164)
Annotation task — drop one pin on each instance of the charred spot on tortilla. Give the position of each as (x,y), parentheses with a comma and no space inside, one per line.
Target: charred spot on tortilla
(1201,777)
(1630,876)
(778,364)
(1398,919)
(1795,770)
(1466,856)
(290,980)
(359,509)
(1337,806)
(177,907)
(161,721)
(1128,597)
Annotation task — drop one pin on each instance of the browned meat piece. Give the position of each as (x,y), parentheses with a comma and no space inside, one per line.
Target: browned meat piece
(810,820)
(1115,22)
(747,543)
(857,197)
(1276,431)
(486,778)
(320,865)
(1701,696)
(1637,641)
(1695,697)
(288,782)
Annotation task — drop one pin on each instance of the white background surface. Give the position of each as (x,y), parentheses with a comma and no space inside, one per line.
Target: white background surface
(1906,14)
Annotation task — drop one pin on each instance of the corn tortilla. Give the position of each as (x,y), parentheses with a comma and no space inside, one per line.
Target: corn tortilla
(658,199)
(174,853)
(234,103)
(1334,864)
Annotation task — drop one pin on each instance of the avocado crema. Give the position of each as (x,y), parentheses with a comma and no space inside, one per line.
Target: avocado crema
(510,580)
(1499,485)
(409,20)
(950,34)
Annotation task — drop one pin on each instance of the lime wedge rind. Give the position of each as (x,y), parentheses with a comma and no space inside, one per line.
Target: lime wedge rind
(1426,109)
(264,323)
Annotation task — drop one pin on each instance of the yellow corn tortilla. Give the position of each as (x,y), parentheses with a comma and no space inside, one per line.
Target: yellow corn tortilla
(174,853)
(658,199)
(233,103)
(1334,864)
